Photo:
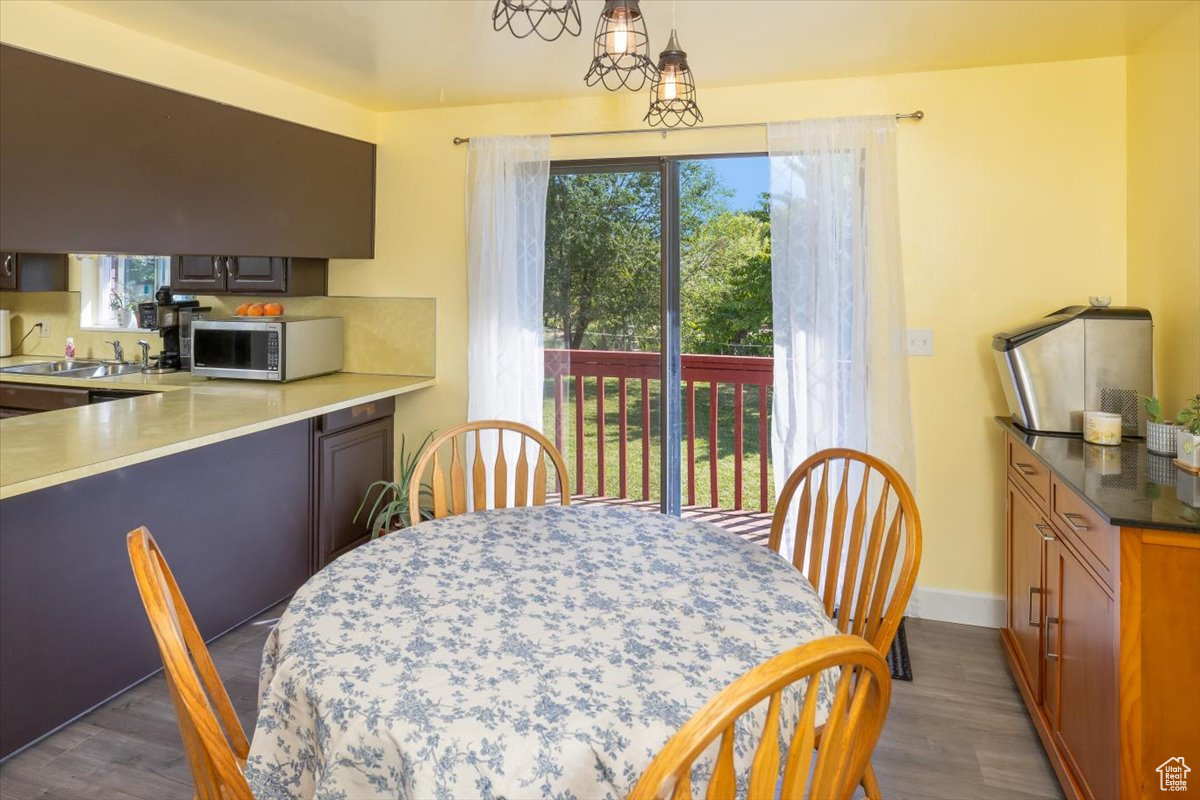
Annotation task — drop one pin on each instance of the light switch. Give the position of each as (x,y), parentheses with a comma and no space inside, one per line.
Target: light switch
(920,341)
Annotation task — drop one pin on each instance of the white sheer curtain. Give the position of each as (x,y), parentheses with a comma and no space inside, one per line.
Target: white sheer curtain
(507,178)
(841,370)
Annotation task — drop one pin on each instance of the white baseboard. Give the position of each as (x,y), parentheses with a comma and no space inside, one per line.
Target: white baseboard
(952,605)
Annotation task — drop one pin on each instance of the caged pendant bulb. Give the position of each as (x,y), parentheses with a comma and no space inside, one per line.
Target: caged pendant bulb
(549,19)
(622,48)
(673,93)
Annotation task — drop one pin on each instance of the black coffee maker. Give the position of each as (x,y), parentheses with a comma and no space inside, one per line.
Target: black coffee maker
(166,316)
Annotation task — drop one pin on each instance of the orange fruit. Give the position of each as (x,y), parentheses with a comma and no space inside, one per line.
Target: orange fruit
(272,309)
(255,310)
(242,310)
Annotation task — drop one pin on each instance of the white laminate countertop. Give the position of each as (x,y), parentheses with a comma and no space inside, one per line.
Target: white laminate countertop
(179,412)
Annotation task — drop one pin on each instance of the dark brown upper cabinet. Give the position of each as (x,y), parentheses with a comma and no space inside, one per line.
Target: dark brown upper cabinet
(249,275)
(92,162)
(33,272)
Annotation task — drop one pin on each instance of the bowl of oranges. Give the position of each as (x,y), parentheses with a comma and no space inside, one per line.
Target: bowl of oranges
(259,310)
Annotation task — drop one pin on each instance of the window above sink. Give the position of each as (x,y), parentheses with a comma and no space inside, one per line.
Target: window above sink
(111,286)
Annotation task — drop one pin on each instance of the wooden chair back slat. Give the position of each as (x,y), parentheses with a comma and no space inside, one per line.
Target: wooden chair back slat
(723,783)
(458,482)
(849,733)
(817,534)
(500,472)
(212,735)
(766,756)
(478,479)
(439,489)
(799,766)
(470,434)
(841,505)
(864,571)
(854,554)
(521,487)
(539,480)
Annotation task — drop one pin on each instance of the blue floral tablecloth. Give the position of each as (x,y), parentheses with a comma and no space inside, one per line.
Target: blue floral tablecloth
(536,652)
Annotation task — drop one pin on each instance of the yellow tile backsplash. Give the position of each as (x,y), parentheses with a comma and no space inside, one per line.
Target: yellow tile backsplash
(384,335)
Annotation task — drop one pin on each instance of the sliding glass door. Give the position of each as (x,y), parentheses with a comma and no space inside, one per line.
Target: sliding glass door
(656,374)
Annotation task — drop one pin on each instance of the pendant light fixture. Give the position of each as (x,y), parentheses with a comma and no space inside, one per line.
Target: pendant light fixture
(622,49)
(549,19)
(673,93)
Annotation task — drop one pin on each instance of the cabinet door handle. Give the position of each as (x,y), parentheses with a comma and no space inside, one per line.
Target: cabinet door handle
(231,267)
(8,269)
(1045,531)
(1032,591)
(217,267)
(1025,469)
(1080,525)
(1050,621)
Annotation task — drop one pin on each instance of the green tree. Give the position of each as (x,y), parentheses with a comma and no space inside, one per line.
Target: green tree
(602,252)
(725,291)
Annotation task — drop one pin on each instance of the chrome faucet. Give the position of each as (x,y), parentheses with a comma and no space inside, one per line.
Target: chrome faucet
(142,343)
(118,351)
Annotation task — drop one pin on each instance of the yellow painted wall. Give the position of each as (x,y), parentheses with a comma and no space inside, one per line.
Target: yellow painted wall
(1164,198)
(1012,197)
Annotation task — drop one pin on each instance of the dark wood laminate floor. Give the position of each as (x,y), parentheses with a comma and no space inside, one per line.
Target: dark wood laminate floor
(958,732)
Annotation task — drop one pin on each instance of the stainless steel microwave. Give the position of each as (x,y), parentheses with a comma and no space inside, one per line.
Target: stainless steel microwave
(283,349)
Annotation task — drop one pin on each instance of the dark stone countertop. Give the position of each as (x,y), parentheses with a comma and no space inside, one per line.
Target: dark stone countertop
(1128,485)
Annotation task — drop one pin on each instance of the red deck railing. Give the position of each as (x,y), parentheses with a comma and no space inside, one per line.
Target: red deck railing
(737,371)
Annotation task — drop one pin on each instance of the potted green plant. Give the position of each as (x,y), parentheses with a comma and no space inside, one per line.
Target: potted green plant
(1188,435)
(389,511)
(1160,433)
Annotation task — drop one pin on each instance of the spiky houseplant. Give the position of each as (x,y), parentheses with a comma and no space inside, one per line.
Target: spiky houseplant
(389,511)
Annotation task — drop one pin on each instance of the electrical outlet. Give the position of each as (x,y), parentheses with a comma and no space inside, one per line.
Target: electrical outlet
(920,341)
(44,330)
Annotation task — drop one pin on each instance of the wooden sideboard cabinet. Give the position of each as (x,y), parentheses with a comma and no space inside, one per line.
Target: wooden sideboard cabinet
(1102,632)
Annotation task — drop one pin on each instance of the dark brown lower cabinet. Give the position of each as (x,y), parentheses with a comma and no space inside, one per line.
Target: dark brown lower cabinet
(353,449)
(233,520)
(243,524)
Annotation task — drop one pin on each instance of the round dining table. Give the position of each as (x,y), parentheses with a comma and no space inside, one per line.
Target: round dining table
(516,653)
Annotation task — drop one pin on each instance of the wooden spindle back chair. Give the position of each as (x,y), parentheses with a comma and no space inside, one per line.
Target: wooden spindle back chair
(529,486)
(849,735)
(213,739)
(862,546)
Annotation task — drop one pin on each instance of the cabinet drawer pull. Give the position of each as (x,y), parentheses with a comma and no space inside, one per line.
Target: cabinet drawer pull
(1076,521)
(1025,469)
(1044,530)
(1050,621)
(1032,591)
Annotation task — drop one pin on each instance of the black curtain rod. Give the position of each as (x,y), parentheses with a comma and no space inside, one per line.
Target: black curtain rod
(915,115)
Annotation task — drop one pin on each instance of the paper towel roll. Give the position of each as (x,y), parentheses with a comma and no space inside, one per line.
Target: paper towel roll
(5,334)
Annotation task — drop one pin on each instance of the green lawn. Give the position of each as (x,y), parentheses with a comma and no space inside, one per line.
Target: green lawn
(725,449)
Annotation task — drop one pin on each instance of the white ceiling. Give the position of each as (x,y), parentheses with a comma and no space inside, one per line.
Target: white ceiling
(402,54)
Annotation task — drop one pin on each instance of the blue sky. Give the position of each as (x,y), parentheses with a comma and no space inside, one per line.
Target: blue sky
(748,177)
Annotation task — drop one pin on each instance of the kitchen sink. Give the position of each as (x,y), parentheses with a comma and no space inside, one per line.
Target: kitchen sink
(51,367)
(104,371)
(74,369)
